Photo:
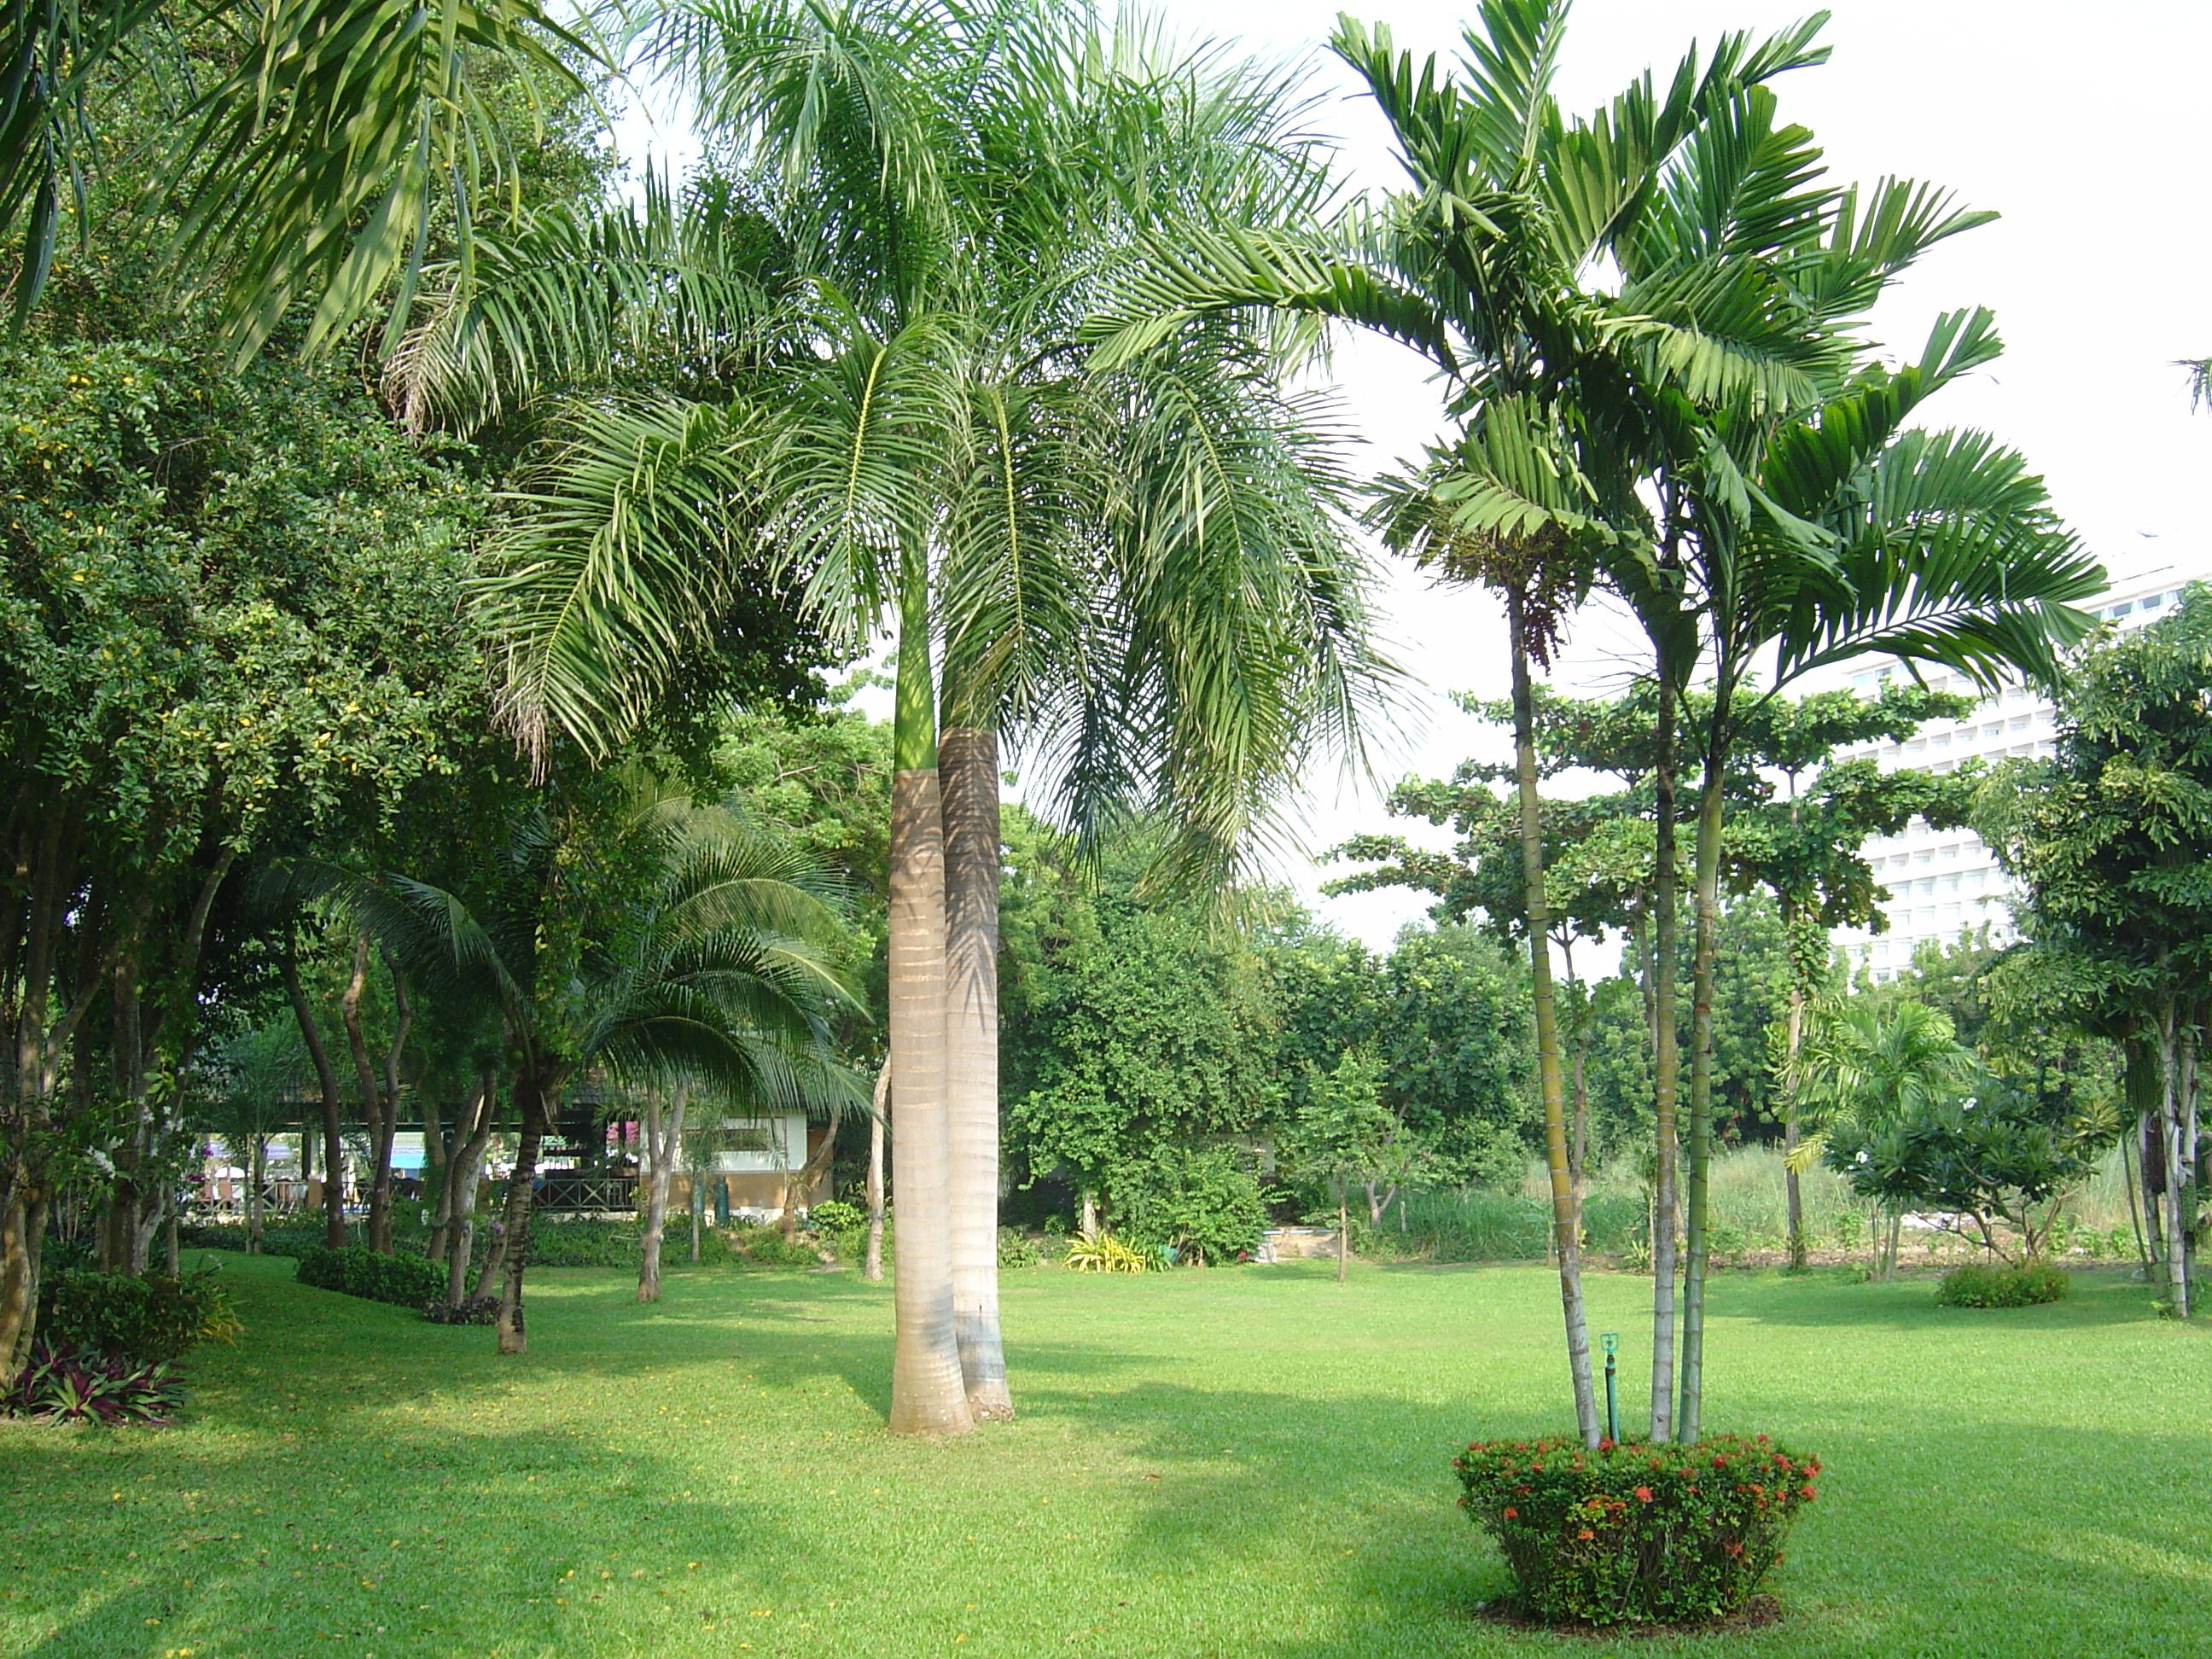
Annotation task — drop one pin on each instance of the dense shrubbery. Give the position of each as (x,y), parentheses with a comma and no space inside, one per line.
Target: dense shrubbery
(767,1247)
(1635,1532)
(470,1311)
(1196,1201)
(151,1319)
(75,1385)
(292,1242)
(1018,1249)
(1994,1284)
(406,1281)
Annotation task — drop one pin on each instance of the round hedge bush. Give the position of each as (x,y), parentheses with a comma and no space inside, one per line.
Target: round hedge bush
(1635,1533)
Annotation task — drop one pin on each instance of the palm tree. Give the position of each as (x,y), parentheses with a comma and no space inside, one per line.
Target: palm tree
(1140,576)
(1867,1064)
(1483,265)
(698,953)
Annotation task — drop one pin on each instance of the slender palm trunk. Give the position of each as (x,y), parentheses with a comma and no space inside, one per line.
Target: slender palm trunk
(1343,1232)
(531,1087)
(2180,1195)
(373,1117)
(1547,1033)
(1708,865)
(968,762)
(871,1261)
(1666,1064)
(929,1394)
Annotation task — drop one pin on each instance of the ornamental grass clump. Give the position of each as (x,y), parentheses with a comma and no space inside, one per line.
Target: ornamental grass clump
(1999,1285)
(1635,1533)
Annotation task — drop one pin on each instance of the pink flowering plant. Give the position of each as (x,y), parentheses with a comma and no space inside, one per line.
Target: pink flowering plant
(1635,1533)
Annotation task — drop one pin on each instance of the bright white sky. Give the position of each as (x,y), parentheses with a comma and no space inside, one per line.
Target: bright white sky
(2087,134)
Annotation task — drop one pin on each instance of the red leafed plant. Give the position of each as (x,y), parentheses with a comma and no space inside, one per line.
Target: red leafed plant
(67,1385)
(1635,1533)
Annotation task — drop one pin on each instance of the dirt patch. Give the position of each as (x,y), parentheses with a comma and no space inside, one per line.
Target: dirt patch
(1757,1614)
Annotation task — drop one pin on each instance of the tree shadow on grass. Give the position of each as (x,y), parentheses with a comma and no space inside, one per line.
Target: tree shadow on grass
(1948,1533)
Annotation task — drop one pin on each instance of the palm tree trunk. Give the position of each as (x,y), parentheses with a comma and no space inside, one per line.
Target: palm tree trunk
(1538,916)
(1666,1063)
(871,1262)
(929,1394)
(1794,1042)
(1343,1232)
(1708,862)
(531,1086)
(968,762)
(2179,1192)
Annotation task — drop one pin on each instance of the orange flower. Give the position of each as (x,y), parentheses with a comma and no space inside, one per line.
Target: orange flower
(1644,1494)
(1805,1492)
(1585,1534)
(1512,1514)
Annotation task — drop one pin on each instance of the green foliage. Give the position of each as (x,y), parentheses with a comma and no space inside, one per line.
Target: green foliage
(1105,1254)
(767,1247)
(1995,1284)
(62,1385)
(405,1281)
(835,1215)
(469,1311)
(1635,1533)
(1128,1027)
(1018,1250)
(1199,1202)
(150,1318)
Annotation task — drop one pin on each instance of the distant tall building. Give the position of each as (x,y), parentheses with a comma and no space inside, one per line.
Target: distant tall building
(1943,882)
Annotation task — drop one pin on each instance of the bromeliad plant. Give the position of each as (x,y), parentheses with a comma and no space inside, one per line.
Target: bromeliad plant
(71,1385)
(1635,1532)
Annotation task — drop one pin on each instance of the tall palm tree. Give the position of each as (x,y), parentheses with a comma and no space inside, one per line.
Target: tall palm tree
(702,954)
(1140,576)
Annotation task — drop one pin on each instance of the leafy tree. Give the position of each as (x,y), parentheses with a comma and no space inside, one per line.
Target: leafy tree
(2112,841)
(1343,1133)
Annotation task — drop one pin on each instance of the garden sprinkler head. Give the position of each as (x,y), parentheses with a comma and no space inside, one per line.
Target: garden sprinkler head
(1609,1341)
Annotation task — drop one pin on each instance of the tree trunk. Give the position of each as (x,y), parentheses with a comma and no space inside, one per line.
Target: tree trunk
(2179,1193)
(797,1183)
(1547,1035)
(463,1170)
(1794,1041)
(698,1211)
(1665,1061)
(660,1144)
(532,1086)
(871,1261)
(371,1100)
(1343,1232)
(1708,858)
(928,1390)
(1088,1222)
(257,1169)
(18,1294)
(968,762)
(327,1080)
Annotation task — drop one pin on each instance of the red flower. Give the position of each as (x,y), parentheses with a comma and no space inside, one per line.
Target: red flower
(1512,1514)
(1762,1440)
(1644,1494)
(1733,1548)
(1719,1462)
(1605,1442)
(1805,1492)
(1585,1534)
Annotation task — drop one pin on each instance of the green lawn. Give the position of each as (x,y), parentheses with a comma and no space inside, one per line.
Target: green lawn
(1240,1462)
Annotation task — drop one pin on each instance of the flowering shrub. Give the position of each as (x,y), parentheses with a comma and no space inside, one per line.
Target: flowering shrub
(71,1385)
(1635,1532)
(1996,1285)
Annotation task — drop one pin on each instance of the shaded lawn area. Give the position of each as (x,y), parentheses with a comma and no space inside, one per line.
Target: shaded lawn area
(1238,1462)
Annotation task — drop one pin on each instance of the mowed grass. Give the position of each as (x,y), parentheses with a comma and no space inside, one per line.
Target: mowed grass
(1238,1461)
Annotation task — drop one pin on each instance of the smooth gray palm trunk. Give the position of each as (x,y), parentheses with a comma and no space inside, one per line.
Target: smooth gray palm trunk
(968,763)
(929,1394)
(1666,1072)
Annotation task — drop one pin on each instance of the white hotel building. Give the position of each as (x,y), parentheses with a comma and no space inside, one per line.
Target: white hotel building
(1943,882)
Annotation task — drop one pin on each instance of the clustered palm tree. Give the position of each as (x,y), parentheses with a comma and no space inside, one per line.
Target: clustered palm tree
(1648,321)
